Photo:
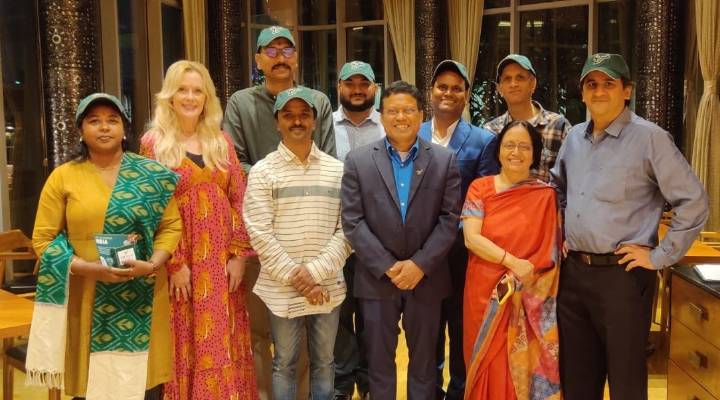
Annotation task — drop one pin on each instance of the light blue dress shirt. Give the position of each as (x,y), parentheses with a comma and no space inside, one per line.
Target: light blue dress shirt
(613,188)
(349,136)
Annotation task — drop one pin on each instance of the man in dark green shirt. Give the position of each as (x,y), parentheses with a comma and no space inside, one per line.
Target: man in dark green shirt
(249,117)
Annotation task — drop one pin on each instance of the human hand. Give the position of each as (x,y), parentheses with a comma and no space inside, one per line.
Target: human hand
(409,276)
(135,268)
(301,279)
(180,283)
(317,295)
(521,268)
(96,271)
(635,255)
(394,270)
(235,271)
(565,249)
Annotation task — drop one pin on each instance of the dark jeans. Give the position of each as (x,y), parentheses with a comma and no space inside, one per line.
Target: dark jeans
(604,319)
(155,393)
(452,315)
(350,362)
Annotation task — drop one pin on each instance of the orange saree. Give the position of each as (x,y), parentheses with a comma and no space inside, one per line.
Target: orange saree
(511,349)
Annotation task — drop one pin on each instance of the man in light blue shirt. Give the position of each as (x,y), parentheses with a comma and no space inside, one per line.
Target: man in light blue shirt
(614,174)
(356,123)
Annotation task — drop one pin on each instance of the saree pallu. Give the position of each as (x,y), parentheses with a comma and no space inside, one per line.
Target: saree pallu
(511,349)
(122,311)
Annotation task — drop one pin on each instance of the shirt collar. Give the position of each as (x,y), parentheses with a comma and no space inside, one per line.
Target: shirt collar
(289,156)
(340,116)
(541,118)
(413,150)
(450,129)
(616,126)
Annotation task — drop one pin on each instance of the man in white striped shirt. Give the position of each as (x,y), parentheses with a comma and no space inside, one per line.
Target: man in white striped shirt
(292,213)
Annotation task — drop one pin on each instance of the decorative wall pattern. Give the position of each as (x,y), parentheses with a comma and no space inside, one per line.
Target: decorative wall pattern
(226,46)
(660,64)
(429,44)
(71,68)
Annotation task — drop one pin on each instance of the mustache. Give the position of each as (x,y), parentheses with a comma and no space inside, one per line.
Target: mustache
(281,65)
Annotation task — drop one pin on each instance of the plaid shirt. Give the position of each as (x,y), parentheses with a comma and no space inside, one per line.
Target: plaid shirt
(552,126)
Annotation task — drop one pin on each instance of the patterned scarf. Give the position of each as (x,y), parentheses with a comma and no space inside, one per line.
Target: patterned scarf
(122,312)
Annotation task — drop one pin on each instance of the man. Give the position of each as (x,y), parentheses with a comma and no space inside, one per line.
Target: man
(250,122)
(292,214)
(401,199)
(614,173)
(474,148)
(516,82)
(356,124)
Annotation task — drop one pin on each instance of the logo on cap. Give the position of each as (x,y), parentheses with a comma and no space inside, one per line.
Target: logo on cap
(600,58)
(355,65)
(275,29)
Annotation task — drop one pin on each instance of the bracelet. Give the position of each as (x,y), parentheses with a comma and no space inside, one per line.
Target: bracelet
(503,257)
(155,267)
(72,260)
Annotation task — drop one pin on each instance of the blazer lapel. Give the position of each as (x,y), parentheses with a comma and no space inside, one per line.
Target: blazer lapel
(460,136)
(419,168)
(384,166)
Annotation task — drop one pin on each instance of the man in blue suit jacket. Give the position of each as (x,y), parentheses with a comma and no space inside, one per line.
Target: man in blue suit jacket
(400,204)
(474,148)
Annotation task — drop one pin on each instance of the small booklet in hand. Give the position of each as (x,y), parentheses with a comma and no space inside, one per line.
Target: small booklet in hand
(708,272)
(115,249)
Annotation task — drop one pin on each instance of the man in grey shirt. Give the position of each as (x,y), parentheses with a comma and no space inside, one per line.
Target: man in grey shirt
(614,173)
(357,123)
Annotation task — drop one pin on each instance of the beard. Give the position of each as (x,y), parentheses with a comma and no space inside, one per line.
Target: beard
(348,105)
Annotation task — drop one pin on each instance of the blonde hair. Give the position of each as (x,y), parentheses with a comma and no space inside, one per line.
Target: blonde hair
(165,127)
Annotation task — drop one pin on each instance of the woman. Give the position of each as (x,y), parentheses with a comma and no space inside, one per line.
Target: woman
(211,328)
(511,229)
(114,320)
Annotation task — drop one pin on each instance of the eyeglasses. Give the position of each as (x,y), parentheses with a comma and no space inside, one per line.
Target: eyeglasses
(273,52)
(394,113)
(511,146)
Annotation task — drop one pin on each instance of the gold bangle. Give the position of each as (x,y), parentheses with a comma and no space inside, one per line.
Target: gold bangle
(503,257)
(155,267)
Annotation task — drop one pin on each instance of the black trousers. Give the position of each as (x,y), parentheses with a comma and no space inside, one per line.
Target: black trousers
(350,362)
(452,316)
(604,319)
(420,322)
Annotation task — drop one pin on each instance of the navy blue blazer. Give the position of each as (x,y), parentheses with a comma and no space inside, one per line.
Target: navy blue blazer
(474,150)
(373,224)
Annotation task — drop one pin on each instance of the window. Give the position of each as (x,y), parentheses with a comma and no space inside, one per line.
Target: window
(557,37)
(327,33)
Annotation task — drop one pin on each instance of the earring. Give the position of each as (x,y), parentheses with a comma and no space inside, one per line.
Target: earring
(124,137)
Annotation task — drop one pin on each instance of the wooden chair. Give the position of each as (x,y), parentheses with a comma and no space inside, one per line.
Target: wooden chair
(711,239)
(14,245)
(15,359)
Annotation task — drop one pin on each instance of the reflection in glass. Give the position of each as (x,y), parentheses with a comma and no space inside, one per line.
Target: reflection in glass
(22,96)
(273,12)
(485,103)
(496,3)
(615,32)
(363,10)
(556,43)
(365,43)
(318,59)
(317,12)
(172,35)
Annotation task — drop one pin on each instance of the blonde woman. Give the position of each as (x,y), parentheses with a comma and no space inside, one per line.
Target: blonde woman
(210,325)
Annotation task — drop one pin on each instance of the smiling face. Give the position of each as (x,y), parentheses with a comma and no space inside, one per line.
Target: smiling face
(516,151)
(296,122)
(356,93)
(188,101)
(449,95)
(102,129)
(604,96)
(401,117)
(277,68)
(516,85)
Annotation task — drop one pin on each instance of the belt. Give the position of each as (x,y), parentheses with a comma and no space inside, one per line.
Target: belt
(596,260)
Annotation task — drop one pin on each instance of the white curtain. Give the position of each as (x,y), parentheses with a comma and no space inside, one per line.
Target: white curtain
(194,30)
(706,146)
(400,15)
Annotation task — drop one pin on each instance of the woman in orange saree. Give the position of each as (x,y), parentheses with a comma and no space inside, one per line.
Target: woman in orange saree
(511,227)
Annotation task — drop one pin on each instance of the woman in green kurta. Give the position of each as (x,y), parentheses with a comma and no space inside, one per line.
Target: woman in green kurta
(104,190)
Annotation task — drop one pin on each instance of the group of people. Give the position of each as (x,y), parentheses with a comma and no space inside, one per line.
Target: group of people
(280,244)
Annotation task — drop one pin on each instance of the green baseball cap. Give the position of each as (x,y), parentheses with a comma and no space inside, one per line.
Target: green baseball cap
(356,68)
(99,98)
(450,65)
(612,65)
(297,92)
(518,59)
(271,33)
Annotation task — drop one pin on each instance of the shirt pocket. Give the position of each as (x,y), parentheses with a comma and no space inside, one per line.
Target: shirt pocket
(610,184)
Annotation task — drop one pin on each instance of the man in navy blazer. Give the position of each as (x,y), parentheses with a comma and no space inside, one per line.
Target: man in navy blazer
(474,148)
(400,205)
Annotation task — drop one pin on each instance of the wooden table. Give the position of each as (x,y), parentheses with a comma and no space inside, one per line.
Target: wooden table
(15,317)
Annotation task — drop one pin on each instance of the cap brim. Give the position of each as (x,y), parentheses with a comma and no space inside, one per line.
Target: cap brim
(604,70)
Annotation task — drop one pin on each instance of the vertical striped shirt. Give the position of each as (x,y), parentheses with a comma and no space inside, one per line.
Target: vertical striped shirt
(292,214)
